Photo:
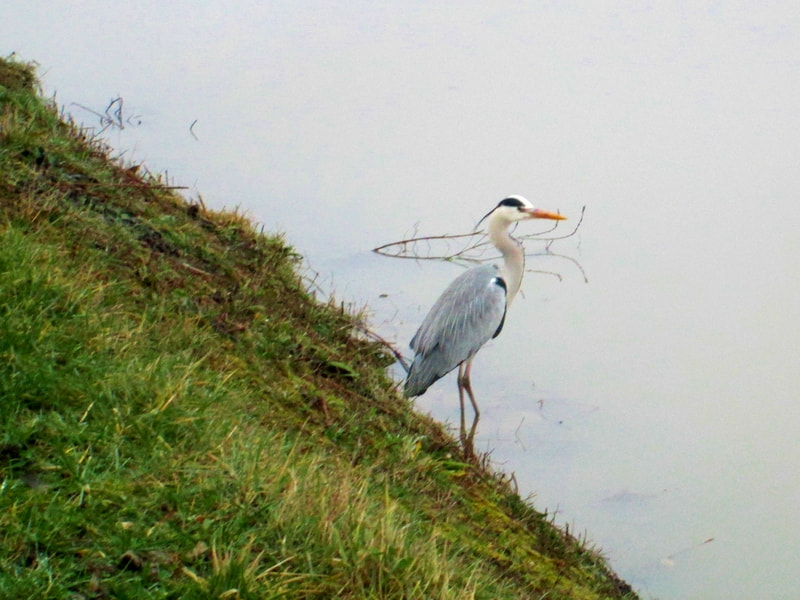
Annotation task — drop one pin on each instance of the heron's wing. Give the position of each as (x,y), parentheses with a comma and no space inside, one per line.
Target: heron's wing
(466,316)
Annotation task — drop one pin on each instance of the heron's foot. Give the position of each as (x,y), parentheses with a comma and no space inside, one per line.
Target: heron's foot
(468,446)
(469,452)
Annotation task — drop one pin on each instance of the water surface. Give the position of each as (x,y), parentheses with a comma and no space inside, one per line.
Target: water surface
(654,406)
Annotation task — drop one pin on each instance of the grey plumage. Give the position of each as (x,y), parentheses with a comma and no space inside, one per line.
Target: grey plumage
(468,314)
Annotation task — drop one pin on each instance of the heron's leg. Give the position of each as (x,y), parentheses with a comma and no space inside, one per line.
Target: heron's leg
(459,379)
(467,385)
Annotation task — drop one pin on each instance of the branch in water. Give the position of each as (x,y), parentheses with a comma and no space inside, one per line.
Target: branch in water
(472,247)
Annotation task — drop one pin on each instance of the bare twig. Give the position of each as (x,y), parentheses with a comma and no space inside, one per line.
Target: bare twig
(401,246)
(471,247)
(386,344)
(113,115)
(570,234)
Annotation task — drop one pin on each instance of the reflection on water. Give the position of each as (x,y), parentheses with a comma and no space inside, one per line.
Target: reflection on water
(654,407)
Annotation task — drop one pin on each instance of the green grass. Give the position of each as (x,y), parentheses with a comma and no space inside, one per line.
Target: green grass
(181,419)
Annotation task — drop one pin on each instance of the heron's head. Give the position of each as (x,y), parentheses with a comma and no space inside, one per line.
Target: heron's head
(516,208)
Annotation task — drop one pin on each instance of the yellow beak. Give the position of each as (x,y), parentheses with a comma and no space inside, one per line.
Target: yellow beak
(537,213)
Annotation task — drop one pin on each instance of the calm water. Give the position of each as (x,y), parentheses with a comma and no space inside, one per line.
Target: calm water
(655,406)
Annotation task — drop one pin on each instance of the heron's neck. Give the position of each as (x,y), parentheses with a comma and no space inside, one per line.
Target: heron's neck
(513,257)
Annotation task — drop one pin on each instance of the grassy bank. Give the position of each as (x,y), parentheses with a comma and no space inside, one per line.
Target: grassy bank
(181,419)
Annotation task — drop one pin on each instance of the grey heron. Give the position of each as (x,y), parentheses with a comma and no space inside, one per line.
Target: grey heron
(472,311)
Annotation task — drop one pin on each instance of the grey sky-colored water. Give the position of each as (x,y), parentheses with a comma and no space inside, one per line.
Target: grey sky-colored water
(656,405)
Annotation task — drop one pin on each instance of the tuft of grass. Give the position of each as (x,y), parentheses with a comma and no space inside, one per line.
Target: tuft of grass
(181,419)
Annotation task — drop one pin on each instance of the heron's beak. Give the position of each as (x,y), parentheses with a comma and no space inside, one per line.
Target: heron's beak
(537,213)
